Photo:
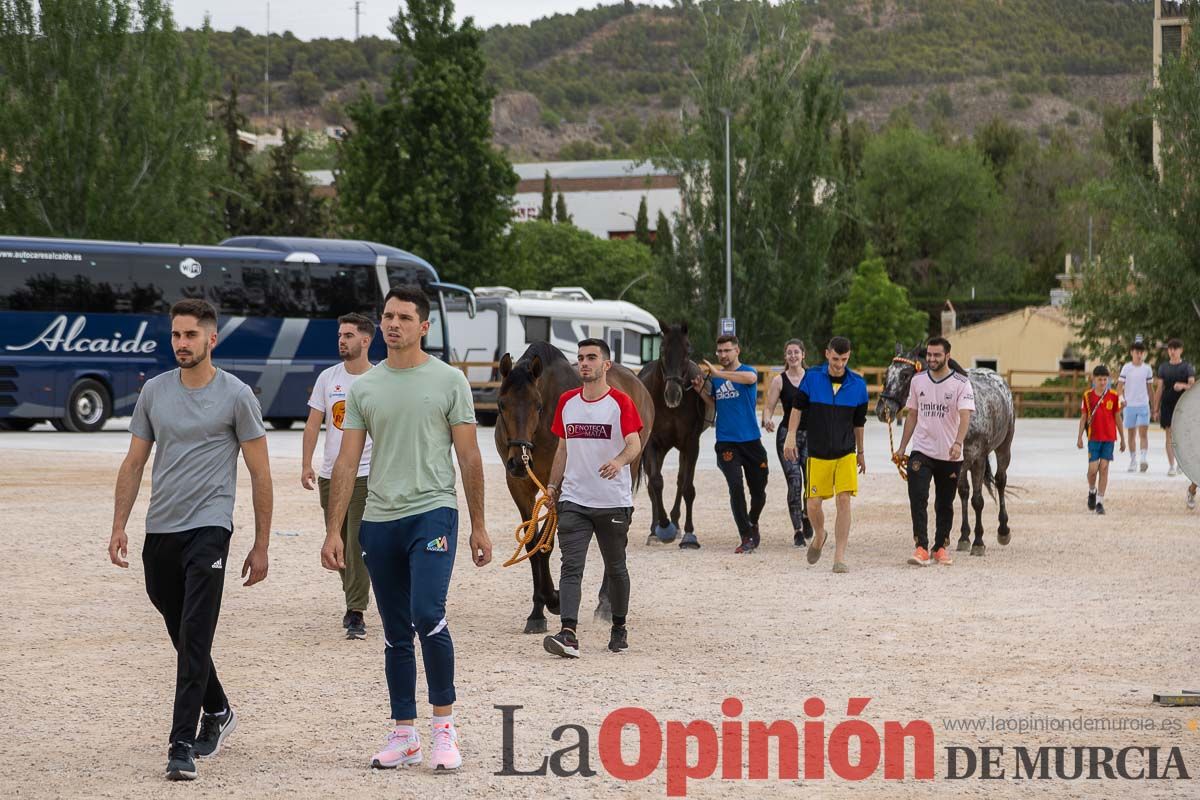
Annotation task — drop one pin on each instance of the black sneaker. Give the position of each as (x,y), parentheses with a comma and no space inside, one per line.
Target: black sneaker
(1091,501)
(562,644)
(214,730)
(618,640)
(346,619)
(180,764)
(798,538)
(357,629)
(1099,508)
(755,538)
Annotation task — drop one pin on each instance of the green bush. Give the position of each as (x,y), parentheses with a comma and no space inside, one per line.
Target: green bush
(1019,102)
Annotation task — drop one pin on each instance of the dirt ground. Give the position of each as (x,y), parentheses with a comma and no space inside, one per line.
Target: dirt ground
(1079,616)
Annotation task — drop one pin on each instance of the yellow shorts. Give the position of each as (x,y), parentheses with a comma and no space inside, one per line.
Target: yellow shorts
(829,477)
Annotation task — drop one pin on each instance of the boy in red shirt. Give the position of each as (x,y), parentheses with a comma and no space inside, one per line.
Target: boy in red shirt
(1100,419)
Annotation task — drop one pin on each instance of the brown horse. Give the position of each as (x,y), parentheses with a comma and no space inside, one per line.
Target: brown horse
(680,415)
(529,393)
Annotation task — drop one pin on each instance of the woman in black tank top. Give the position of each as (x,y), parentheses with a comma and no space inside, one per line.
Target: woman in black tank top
(784,391)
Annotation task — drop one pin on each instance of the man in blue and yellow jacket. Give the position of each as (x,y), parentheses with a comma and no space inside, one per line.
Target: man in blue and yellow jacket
(831,406)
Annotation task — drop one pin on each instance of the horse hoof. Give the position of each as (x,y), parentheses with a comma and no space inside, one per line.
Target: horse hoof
(666,533)
(1004,538)
(977,549)
(603,614)
(689,542)
(651,539)
(535,626)
(963,545)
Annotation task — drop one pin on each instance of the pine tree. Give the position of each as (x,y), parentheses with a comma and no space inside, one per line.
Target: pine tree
(286,202)
(419,170)
(104,127)
(641,227)
(560,211)
(547,212)
(664,244)
(237,185)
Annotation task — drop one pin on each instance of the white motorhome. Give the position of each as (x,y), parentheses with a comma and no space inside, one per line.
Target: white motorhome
(507,321)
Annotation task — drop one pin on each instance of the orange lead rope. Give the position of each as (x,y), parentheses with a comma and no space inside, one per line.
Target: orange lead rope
(543,512)
(899,459)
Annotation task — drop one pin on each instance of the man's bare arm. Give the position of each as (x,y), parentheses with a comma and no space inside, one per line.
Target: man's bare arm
(470,463)
(558,467)
(341,487)
(312,429)
(129,481)
(258,462)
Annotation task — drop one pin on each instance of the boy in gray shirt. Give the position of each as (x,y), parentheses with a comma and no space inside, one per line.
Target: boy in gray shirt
(196,418)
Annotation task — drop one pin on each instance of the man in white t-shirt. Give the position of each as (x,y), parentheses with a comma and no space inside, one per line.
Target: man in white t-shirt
(1133,387)
(591,482)
(940,404)
(328,402)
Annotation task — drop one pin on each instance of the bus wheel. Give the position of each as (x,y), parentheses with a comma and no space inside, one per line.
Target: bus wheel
(88,406)
(14,424)
(281,423)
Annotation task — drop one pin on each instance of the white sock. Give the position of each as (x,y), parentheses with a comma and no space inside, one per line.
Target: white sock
(446,720)
(409,729)
(1142,455)
(1099,498)
(1091,491)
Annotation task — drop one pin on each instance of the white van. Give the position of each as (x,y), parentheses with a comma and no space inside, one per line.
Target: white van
(507,321)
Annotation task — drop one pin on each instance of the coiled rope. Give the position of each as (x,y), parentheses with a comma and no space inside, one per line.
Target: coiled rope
(543,512)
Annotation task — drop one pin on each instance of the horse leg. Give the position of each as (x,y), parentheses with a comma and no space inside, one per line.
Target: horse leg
(977,547)
(536,621)
(964,490)
(659,524)
(688,456)
(1003,456)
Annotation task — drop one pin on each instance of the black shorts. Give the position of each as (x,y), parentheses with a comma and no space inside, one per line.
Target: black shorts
(1165,414)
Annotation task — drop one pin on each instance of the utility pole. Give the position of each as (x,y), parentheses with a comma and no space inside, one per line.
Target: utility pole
(357,13)
(267,68)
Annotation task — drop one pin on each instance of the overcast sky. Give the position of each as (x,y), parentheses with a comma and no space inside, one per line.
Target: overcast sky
(334,19)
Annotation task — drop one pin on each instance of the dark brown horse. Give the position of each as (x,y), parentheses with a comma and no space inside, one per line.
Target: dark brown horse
(529,393)
(680,416)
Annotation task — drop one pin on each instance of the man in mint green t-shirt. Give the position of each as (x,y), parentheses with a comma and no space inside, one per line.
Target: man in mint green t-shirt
(415,409)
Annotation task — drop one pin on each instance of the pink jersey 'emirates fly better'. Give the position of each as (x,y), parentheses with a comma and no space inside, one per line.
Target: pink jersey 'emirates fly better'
(937,404)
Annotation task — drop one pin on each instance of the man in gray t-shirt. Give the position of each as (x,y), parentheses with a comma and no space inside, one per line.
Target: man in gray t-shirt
(196,418)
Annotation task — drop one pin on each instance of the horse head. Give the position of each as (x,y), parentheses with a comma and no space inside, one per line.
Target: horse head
(896,381)
(519,407)
(674,363)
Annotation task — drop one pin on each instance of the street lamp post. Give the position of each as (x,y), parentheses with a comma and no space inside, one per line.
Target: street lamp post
(728,224)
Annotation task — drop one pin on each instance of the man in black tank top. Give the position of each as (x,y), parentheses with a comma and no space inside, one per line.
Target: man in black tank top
(783,390)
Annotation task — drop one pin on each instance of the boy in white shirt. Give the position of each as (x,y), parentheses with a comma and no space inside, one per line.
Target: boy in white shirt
(1133,387)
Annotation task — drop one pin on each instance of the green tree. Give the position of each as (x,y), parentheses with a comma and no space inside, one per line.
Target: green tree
(641,226)
(1148,276)
(783,103)
(237,186)
(419,170)
(560,211)
(307,87)
(876,315)
(542,254)
(287,206)
(104,131)
(546,214)
(926,204)
(663,246)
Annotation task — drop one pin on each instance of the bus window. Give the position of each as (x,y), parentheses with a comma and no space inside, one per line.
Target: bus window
(273,291)
(341,289)
(434,342)
(159,282)
(98,284)
(651,346)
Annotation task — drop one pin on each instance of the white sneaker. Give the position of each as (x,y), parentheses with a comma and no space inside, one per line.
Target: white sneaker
(1173,471)
(1133,465)
(1191,499)
(403,749)
(445,754)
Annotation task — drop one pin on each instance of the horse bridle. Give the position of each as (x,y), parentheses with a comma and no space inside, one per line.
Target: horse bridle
(526,448)
(915,364)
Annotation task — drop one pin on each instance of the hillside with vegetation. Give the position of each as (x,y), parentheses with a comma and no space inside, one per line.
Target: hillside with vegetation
(603,80)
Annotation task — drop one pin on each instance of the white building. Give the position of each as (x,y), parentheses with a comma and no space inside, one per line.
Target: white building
(602,197)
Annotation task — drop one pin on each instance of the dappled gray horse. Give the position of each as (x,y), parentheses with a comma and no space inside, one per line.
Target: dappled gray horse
(991,430)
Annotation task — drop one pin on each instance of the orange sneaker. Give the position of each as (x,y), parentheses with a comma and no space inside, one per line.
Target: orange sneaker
(919,558)
(942,556)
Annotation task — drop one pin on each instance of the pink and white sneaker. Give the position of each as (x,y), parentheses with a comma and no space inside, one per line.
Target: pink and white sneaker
(403,749)
(445,755)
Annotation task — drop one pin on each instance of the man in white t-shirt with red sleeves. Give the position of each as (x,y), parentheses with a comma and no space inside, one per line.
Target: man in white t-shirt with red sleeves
(592,484)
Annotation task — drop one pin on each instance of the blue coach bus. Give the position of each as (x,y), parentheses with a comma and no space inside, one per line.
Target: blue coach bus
(83,324)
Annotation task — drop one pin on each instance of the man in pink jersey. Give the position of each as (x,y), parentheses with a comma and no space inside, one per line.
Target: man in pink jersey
(940,402)
(598,428)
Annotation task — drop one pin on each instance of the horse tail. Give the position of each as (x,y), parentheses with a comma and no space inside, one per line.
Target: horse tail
(989,478)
